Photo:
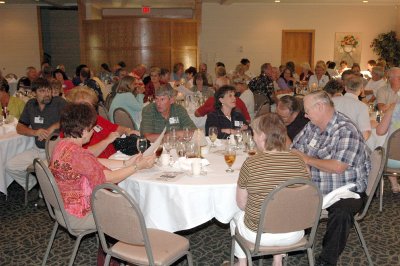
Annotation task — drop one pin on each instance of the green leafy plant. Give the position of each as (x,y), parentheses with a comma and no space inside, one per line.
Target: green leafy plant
(387,47)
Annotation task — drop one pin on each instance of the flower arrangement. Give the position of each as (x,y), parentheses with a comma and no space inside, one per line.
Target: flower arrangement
(349,40)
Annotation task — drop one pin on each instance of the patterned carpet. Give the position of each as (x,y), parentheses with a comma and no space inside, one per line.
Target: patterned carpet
(25,232)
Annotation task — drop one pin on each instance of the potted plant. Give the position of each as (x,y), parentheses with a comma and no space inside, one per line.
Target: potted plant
(387,47)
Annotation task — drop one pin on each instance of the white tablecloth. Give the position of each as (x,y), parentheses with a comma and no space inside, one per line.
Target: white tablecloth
(11,144)
(375,141)
(186,202)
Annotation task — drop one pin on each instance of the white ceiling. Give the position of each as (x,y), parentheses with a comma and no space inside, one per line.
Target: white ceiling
(191,3)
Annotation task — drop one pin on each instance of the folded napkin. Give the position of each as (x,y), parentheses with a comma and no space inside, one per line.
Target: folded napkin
(339,193)
(185,164)
(119,156)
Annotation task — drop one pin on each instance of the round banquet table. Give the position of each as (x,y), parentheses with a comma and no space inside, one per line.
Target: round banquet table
(11,144)
(185,201)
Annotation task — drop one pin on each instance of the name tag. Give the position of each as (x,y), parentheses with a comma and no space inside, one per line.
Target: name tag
(97,128)
(238,123)
(39,120)
(174,120)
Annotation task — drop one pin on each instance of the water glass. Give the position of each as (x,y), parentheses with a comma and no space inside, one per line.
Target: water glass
(141,144)
(213,135)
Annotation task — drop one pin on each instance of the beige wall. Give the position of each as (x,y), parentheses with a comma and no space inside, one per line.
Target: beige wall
(254,31)
(19,45)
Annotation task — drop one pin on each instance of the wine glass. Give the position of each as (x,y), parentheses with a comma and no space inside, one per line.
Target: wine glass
(141,144)
(213,134)
(167,143)
(246,134)
(187,136)
(180,149)
(251,147)
(191,150)
(238,137)
(230,157)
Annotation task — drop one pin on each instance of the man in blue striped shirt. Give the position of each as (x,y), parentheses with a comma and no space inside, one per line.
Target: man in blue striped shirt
(334,149)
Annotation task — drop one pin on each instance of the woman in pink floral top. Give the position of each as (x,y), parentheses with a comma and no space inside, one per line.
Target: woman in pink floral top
(77,170)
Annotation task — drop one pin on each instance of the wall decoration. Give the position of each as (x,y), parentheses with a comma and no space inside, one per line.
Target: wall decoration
(347,47)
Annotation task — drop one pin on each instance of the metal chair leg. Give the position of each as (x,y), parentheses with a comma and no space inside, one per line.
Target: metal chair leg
(233,251)
(26,187)
(53,234)
(189,258)
(362,241)
(107,260)
(310,255)
(76,246)
(381,195)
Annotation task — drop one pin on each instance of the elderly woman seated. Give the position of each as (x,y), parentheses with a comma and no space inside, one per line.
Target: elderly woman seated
(105,132)
(259,175)
(225,117)
(77,170)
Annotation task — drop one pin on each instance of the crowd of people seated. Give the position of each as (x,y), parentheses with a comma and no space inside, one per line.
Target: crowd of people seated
(286,128)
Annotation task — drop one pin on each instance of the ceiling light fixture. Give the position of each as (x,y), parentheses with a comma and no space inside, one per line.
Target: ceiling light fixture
(277,1)
(2,2)
(365,1)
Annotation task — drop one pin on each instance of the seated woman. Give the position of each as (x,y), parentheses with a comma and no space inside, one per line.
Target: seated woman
(306,72)
(286,80)
(239,74)
(189,75)
(154,83)
(390,123)
(201,86)
(67,84)
(130,97)
(319,79)
(225,117)
(259,175)
(77,171)
(14,105)
(221,78)
(105,132)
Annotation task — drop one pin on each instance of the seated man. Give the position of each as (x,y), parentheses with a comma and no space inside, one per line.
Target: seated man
(246,95)
(39,119)
(209,106)
(290,111)
(389,93)
(375,83)
(334,149)
(164,113)
(354,109)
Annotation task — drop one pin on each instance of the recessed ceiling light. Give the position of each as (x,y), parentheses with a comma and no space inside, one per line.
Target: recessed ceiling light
(365,1)
(277,1)
(2,2)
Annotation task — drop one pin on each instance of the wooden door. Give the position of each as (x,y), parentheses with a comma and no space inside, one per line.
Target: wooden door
(298,46)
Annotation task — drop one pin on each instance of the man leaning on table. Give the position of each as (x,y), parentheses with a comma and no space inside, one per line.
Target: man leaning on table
(164,113)
(39,119)
(334,149)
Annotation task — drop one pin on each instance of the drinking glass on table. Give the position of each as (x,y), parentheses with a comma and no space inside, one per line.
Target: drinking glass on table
(180,149)
(190,150)
(141,144)
(230,157)
(251,147)
(238,137)
(246,134)
(213,134)
(167,143)
(159,151)
(187,135)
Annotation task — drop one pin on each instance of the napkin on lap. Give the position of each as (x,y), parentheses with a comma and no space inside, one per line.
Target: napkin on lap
(119,156)
(185,164)
(339,193)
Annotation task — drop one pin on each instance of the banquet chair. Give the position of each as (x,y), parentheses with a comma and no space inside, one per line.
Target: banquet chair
(29,170)
(117,215)
(393,152)
(103,111)
(55,206)
(293,206)
(50,143)
(108,101)
(123,118)
(378,160)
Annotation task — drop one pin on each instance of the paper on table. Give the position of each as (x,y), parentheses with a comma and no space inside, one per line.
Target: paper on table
(185,91)
(154,146)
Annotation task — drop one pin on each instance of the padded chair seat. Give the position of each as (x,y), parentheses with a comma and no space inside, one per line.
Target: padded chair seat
(167,247)
(275,249)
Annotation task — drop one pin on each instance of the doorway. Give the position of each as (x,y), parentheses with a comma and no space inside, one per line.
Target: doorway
(298,46)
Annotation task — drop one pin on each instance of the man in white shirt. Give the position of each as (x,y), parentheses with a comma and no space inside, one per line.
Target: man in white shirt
(375,83)
(356,110)
(246,95)
(390,93)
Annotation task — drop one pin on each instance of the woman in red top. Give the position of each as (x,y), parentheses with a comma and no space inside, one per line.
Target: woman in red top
(104,132)
(77,171)
(67,84)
